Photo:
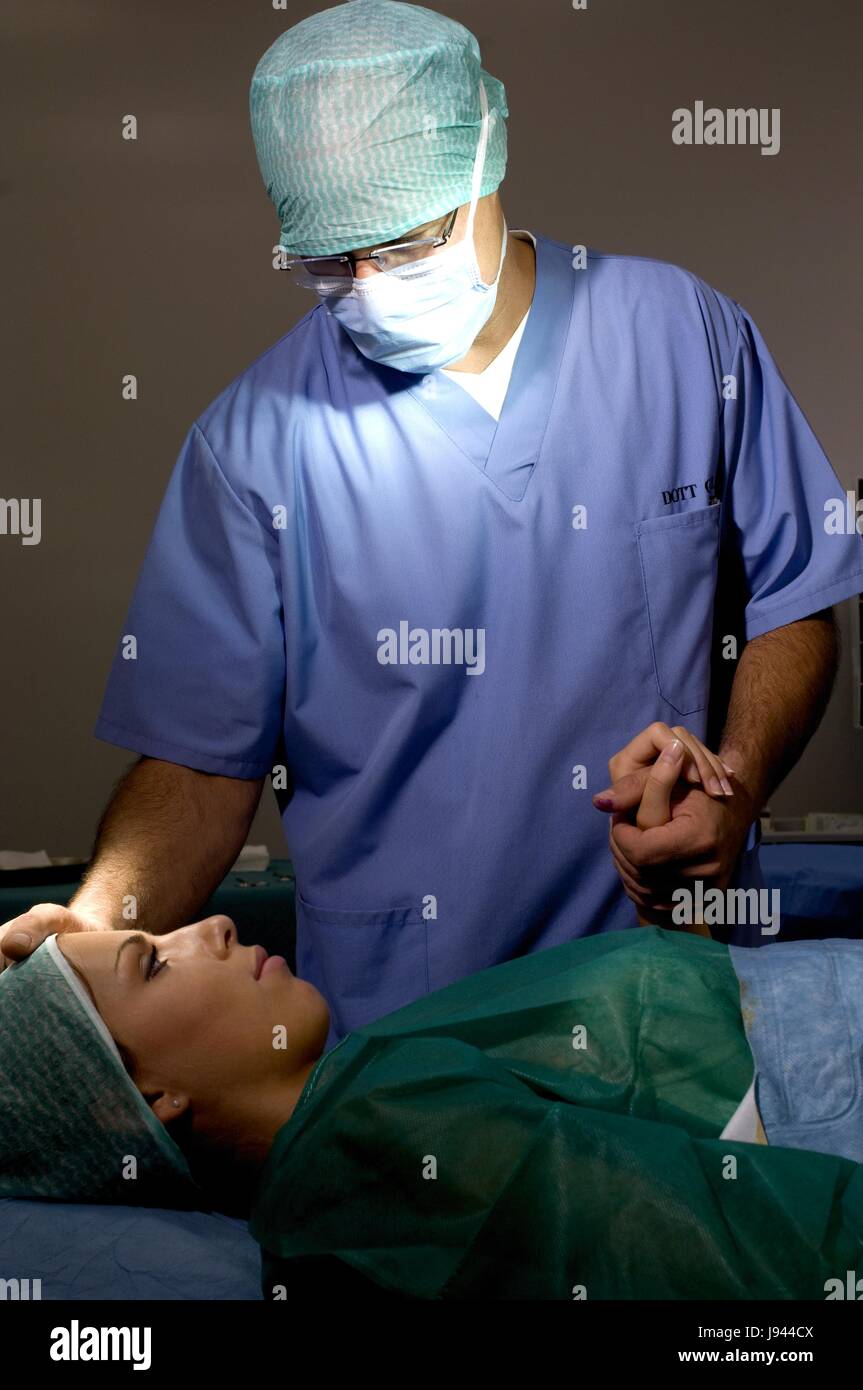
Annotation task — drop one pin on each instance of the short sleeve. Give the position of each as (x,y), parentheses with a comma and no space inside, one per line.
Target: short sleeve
(782,497)
(198,677)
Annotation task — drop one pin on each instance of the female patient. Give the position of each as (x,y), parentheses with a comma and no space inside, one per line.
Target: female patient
(549,1128)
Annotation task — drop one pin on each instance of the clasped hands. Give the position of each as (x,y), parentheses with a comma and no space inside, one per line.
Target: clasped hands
(678,814)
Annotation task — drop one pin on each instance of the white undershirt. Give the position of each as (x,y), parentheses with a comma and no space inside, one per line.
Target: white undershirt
(490,386)
(743,1124)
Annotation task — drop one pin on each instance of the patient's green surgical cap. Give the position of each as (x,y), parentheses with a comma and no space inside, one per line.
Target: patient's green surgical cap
(73,1125)
(366,120)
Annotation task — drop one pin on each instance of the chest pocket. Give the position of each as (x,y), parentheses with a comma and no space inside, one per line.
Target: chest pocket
(366,963)
(679,557)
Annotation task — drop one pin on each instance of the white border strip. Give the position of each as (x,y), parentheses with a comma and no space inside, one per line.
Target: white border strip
(83,997)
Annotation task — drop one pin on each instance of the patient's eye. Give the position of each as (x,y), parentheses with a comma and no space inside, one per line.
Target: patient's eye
(154,965)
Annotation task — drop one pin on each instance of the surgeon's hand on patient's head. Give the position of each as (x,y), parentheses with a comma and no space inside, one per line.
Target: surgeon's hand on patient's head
(20,936)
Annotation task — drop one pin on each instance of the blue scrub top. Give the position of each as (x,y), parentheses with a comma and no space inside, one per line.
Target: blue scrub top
(650,476)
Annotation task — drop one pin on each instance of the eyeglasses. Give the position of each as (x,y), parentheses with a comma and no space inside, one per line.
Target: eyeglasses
(335,273)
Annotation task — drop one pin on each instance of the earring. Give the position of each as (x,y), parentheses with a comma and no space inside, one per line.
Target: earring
(175,1102)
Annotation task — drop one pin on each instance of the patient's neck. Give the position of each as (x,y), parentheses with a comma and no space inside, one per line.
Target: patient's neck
(228,1155)
(270,1107)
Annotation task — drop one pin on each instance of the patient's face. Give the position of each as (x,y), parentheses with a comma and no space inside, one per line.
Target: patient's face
(203,1017)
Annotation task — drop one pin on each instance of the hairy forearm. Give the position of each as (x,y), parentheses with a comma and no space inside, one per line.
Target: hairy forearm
(164,843)
(780,691)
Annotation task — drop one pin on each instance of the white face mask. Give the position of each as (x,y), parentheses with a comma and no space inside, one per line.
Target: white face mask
(426,314)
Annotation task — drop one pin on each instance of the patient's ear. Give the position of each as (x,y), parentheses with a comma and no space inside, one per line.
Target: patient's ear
(167,1105)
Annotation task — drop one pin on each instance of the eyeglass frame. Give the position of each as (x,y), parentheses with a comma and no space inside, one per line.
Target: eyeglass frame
(349,258)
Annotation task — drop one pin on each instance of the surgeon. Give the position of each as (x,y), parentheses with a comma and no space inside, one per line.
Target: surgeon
(495,512)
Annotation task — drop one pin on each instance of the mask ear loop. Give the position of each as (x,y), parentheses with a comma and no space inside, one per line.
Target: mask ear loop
(479,162)
(479,166)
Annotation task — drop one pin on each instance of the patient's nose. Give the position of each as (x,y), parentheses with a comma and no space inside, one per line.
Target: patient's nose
(217,934)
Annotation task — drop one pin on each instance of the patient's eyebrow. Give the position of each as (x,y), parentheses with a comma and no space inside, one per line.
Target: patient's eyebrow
(136,939)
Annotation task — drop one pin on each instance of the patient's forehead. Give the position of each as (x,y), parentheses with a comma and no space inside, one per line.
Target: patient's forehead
(79,945)
(89,952)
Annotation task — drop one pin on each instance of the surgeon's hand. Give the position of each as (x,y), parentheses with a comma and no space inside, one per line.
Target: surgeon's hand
(707,829)
(20,936)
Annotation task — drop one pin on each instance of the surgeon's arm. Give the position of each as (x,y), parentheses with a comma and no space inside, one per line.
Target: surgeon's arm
(780,692)
(781,688)
(166,839)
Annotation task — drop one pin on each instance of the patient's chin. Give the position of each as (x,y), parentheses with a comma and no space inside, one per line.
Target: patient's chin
(306,1015)
(284,978)
(318,1014)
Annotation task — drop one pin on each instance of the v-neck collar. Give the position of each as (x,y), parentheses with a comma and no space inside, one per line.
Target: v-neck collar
(507,450)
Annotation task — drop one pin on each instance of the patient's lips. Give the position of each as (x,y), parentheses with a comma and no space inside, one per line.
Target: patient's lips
(264,964)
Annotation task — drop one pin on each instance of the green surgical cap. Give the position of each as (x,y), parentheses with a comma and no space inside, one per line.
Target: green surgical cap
(366,120)
(72,1121)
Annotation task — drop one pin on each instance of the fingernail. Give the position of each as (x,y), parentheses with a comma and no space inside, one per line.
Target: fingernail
(21,938)
(727,768)
(715,786)
(603,803)
(726,786)
(672,752)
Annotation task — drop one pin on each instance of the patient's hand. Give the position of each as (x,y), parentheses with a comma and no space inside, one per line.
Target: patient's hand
(654,809)
(694,831)
(630,766)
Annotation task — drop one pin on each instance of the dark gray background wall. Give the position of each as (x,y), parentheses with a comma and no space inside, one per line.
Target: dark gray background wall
(153,257)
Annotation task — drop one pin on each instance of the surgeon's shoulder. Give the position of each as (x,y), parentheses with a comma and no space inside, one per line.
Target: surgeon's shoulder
(252,416)
(659,294)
